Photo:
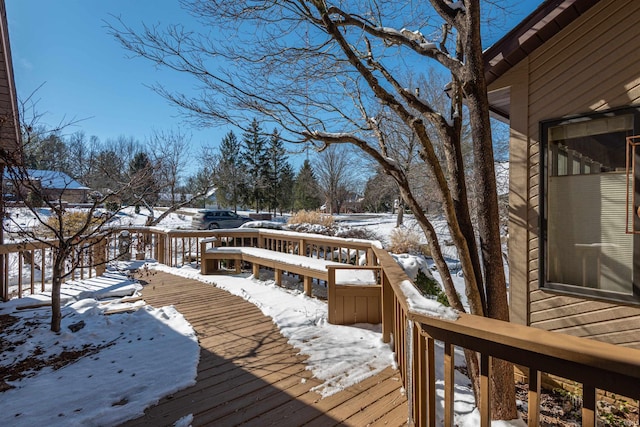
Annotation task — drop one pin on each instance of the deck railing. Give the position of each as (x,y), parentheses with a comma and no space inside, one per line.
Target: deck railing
(26,268)
(596,365)
(171,247)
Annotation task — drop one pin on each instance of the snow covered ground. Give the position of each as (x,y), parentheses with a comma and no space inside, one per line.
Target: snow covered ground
(119,378)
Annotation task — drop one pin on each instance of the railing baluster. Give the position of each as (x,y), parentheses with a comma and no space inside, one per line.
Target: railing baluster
(534,398)
(431,380)
(81,263)
(449,383)
(20,273)
(588,405)
(6,270)
(33,271)
(485,390)
(43,259)
(420,376)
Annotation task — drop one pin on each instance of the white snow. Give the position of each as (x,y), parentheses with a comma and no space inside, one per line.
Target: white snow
(428,307)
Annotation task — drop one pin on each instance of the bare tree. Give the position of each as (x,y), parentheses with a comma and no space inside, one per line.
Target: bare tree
(68,233)
(170,152)
(334,167)
(322,72)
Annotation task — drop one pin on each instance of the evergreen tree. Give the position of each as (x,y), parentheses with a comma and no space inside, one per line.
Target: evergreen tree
(142,177)
(198,183)
(285,195)
(256,163)
(306,192)
(275,171)
(230,179)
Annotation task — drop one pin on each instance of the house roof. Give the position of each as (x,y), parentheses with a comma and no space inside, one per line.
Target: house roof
(9,120)
(542,24)
(55,180)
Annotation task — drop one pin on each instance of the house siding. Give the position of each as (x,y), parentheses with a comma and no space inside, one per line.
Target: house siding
(9,129)
(590,66)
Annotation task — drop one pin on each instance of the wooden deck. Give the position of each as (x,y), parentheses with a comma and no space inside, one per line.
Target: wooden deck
(248,374)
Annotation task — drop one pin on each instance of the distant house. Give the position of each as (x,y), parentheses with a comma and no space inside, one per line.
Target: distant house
(567,81)
(167,199)
(53,185)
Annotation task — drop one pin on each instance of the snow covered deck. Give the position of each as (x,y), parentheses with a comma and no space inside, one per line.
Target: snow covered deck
(248,373)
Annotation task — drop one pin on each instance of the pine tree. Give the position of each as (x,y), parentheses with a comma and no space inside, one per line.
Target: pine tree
(230,177)
(306,189)
(144,182)
(277,163)
(285,195)
(255,161)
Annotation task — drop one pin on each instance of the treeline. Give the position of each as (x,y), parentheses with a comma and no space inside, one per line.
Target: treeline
(255,173)
(251,172)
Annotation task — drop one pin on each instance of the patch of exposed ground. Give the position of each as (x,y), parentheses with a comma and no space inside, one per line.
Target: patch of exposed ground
(561,408)
(14,334)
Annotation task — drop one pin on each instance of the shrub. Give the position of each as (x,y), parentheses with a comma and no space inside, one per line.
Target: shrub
(430,288)
(72,222)
(318,223)
(112,206)
(311,217)
(404,241)
(34,199)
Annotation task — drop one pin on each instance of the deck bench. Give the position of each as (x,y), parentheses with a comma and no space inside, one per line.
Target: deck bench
(354,294)
(307,267)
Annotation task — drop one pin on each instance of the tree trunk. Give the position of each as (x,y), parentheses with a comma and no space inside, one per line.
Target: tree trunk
(400,213)
(56,280)
(503,405)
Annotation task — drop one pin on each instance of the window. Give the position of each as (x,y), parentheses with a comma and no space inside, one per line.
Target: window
(586,248)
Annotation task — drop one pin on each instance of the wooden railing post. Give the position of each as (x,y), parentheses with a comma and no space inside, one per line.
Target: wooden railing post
(161,251)
(387,309)
(331,296)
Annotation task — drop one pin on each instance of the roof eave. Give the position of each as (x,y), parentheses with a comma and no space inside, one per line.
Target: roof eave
(542,24)
(10,125)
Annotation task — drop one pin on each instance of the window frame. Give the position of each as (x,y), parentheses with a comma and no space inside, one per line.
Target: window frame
(565,288)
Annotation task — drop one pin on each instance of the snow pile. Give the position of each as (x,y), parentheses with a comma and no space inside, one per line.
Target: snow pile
(411,264)
(272,225)
(425,306)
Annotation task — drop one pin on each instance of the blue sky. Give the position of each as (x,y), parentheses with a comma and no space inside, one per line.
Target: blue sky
(64,46)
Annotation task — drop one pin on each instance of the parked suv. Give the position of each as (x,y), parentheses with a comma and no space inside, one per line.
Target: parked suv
(209,219)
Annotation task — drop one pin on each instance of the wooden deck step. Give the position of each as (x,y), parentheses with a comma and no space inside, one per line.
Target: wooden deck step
(249,375)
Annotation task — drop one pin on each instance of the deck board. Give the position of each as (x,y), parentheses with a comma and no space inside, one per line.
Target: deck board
(249,375)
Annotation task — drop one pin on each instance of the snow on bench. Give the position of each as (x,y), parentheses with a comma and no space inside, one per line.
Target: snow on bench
(307,267)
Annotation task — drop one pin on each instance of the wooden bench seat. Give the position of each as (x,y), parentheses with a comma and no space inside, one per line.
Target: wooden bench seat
(307,267)
(354,293)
